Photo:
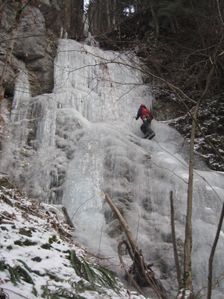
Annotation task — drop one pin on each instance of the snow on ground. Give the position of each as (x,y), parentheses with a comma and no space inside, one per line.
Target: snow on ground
(37,255)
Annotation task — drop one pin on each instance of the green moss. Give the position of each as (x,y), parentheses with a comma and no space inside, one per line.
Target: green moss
(82,286)
(17,272)
(60,293)
(97,276)
(23,274)
(53,276)
(26,242)
(3,265)
(31,270)
(4,228)
(52,239)
(34,291)
(46,246)
(25,231)
(36,259)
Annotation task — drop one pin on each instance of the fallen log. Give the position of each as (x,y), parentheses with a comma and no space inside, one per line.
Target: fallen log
(144,271)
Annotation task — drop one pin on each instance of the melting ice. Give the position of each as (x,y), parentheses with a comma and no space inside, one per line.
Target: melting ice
(83,141)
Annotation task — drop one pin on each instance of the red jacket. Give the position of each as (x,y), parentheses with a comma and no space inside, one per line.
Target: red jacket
(144,113)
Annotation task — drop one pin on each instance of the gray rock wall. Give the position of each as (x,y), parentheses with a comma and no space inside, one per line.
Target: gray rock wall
(41,24)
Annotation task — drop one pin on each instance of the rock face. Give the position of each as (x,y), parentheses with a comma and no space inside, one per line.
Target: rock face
(41,24)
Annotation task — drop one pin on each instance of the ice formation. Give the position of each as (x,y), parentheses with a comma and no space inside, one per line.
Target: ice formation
(82,141)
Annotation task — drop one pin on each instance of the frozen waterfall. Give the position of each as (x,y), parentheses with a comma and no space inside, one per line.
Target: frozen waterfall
(82,141)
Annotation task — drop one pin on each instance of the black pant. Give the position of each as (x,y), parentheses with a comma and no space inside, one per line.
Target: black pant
(146,126)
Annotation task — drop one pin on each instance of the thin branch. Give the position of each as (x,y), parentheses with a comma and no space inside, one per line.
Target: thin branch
(173,87)
(198,174)
(219,12)
(130,278)
(176,259)
(209,293)
(20,37)
(187,275)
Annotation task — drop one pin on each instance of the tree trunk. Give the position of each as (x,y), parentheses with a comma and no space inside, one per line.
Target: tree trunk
(209,293)
(155,21)
(146,273)
(73,15)
(174,241)
(187,279)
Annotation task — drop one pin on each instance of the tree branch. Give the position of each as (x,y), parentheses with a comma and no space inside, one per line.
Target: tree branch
(209,293)
(176,259)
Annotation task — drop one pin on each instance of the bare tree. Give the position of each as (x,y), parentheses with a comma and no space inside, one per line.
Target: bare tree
(187,278)
(210,264)
(176,259)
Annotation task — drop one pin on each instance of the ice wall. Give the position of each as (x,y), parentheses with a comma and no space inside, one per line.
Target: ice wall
(83,141)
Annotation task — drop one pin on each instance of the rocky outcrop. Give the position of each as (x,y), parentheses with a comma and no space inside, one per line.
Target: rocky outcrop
(41,24)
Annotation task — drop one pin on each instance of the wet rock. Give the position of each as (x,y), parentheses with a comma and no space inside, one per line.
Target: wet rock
(36,40)
(31,42)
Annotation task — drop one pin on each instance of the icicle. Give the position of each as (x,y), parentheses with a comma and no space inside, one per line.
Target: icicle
(82,140)
(20,107)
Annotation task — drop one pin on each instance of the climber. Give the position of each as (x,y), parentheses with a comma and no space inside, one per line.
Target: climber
(147,117)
